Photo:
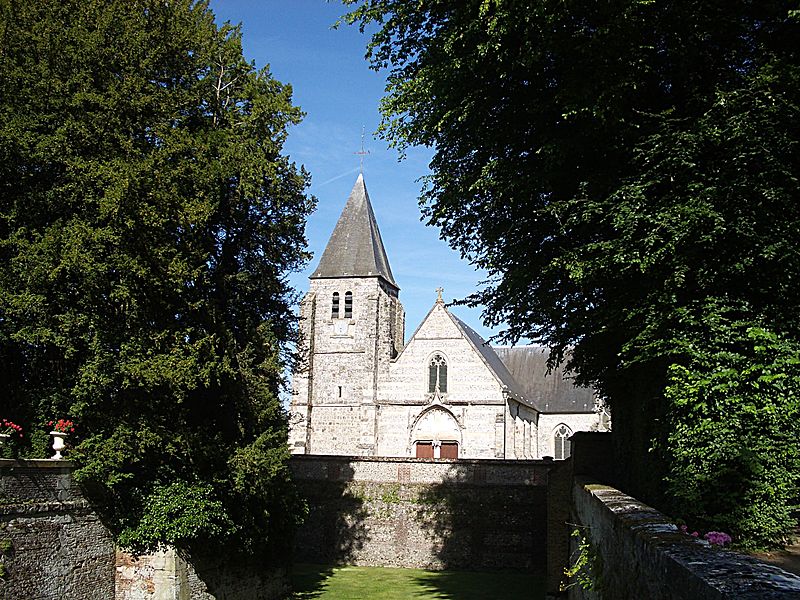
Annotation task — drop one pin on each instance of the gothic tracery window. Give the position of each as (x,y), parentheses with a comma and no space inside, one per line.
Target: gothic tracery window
(348,305)
(437,375)
(561,440)
(335,306)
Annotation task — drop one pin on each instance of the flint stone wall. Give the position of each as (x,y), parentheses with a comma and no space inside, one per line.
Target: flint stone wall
(409,512)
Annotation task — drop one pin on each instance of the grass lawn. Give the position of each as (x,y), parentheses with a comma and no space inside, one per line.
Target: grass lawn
(382,583)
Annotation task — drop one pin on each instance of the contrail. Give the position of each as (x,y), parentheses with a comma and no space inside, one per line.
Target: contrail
(332,179)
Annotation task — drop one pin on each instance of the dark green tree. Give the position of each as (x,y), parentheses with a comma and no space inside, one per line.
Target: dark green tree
(627,172)
(148,220)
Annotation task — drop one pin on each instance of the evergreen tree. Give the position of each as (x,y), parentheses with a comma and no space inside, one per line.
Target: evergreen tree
(627,172)
(148,220)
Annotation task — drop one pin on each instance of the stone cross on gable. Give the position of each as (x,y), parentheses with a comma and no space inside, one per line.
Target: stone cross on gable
(439,299)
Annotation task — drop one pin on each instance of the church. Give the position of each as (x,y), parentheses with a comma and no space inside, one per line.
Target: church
(362,389)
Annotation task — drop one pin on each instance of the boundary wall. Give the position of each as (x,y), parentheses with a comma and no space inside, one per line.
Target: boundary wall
(433,514)
(637,552)
(53,545)
(52,542)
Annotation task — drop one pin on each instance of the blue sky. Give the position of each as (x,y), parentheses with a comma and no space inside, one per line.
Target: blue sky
(333,84)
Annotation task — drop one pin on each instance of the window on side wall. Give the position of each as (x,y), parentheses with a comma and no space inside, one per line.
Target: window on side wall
(562,448)
(562,444)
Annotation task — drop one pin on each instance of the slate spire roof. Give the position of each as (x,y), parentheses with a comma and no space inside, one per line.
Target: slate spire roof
(355,248)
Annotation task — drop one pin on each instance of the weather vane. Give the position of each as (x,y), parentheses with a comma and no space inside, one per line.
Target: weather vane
(362,153)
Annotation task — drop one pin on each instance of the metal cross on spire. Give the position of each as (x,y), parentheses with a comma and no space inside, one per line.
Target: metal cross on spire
(362,153)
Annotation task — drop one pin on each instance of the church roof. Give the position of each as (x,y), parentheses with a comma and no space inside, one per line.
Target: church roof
(355,248)
(490,357)
(553,393)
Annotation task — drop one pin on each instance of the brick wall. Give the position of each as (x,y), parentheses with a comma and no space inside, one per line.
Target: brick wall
(466,514)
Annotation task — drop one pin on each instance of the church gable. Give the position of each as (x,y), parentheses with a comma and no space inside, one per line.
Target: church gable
(440,361)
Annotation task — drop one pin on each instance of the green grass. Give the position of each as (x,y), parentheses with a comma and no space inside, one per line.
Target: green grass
(382,583)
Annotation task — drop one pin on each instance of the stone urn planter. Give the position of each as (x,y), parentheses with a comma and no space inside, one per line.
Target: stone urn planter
(58,443)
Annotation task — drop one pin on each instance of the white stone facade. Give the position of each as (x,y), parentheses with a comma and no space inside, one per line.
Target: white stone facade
(363,392)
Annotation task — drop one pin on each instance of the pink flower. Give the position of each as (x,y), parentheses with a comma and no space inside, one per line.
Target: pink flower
(717,538)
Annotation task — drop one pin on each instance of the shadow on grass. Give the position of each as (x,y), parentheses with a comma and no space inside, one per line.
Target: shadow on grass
(308,581)
(460,585)
(324,582)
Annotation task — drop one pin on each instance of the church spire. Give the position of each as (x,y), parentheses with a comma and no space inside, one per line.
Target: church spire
(355,248)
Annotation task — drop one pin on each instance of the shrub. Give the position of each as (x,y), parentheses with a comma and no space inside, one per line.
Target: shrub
(734,425)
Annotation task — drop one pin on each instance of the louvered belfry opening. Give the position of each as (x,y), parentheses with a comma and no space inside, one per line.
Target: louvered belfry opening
(348,305)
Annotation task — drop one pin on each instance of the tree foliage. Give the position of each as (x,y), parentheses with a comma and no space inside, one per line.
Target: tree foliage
(623,169)
(148,219)
(733,434)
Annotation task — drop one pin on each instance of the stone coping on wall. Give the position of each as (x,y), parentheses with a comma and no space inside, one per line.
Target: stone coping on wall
(436,461)
(47,482)
(645,555)
(402,470)
(37,463)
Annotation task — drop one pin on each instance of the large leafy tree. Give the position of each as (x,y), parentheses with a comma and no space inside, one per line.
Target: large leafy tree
(627,172)
(148,219)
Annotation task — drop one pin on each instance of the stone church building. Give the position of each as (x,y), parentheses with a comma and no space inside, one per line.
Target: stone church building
(363,389)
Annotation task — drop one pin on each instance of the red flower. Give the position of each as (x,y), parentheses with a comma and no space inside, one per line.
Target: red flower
(9,427)
(63,426)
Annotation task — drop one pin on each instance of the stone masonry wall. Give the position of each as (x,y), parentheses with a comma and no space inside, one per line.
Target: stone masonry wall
(466,514)
(334,395)
(474,397)
(52,542)
(53,547)
(643,555)
(167,576)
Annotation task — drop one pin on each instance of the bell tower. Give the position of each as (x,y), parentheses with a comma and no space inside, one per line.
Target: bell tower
(352,325)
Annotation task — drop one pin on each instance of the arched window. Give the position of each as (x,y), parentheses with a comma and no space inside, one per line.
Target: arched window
(335,306)
(437,375)
(561,439)
(348,305)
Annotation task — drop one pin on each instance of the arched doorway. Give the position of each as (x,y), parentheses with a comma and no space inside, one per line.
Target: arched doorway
(436,434)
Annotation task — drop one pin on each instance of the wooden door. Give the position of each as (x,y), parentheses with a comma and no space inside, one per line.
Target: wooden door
(424,449)
(449,450)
